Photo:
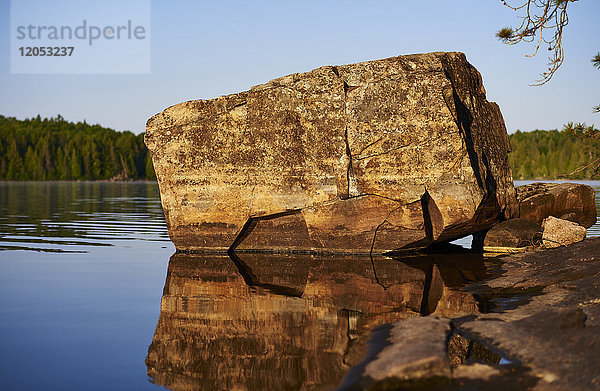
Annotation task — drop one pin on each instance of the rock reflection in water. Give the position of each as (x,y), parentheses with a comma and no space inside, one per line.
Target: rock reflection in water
(290,322)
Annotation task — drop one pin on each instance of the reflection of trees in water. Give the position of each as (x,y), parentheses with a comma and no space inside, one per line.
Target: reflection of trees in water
(37,212)
(289,321)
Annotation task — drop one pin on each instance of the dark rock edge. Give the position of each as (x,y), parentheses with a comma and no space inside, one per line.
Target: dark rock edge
(550,339)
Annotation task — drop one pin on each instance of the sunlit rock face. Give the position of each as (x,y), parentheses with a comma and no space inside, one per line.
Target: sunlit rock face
(384,155)
(570,201)
(259,321)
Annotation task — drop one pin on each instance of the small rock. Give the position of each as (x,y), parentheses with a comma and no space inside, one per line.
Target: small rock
(512,234)
(558,232)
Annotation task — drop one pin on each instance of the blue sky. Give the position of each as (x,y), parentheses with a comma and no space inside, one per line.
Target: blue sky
(204,49)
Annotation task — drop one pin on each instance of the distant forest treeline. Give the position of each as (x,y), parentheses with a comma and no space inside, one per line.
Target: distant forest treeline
(551,154)
(54,149)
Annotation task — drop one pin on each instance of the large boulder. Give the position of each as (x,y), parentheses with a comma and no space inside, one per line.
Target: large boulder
(569,201)
(383,155)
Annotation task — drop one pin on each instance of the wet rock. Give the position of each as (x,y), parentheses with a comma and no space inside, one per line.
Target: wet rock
(383,155)
(512,234)
(476,371)
(420,354)
(412,352)
(461,351)
(574,201)
(558,232)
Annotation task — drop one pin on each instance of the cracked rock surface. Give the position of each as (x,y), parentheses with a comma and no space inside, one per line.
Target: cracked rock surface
(371,157)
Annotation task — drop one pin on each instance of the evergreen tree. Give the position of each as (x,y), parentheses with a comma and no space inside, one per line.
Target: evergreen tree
(552,154)
(75,165)
(52,148)
(15,169)
(150,174)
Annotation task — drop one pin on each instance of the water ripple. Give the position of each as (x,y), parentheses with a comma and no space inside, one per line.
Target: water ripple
(79,216)
(74,217)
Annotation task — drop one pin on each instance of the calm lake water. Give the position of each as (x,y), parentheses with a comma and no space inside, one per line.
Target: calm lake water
(93,296)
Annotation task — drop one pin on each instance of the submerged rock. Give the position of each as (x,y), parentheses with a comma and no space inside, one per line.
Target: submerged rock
(383,155)
(558,232)
(569,201)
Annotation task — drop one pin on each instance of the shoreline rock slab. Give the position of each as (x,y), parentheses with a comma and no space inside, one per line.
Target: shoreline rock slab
(555,332)
(410,352)
(379,156)
(569,201)
(542,332)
